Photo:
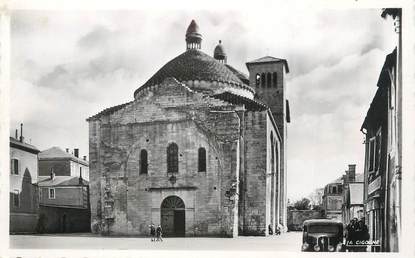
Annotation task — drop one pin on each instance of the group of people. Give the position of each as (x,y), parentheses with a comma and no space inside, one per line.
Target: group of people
(277,229)
(156,233)
(356,234)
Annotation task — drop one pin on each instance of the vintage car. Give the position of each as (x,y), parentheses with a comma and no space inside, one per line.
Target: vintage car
(322,235)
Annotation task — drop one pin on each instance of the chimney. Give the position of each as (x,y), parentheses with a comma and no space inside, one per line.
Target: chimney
(17,134)
(52,175)
(352,172)
(67,150)
(85,158)
(76,152)
(80,178)
(21,132)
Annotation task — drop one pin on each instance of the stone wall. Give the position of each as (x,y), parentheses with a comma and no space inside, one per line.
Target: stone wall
(275,98)
(124,202)
(255,179)
(63,220)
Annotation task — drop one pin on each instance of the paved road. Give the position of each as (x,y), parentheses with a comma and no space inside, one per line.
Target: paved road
(290,241)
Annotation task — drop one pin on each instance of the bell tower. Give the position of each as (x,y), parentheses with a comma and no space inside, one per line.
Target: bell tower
(267,77)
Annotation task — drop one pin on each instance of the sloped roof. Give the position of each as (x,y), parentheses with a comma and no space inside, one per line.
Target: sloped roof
(232,98)
(269,59)
(195,65)
(46,181)
(58,153)
(378,106)
(239,74)
(337,181)
(388,65)
(109,110)
(23,146)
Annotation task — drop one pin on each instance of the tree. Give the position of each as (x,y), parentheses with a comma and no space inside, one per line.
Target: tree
(303,204)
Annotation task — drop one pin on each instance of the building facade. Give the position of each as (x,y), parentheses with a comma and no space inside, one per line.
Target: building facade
(333,200)
(63,163)
(352,195)
(23,189)
(200,150)
(63,204)
(63,192)
(383,150)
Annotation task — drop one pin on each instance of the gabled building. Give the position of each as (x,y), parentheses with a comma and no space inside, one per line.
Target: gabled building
(63,192)
(200,150)
(63,163)
(64,204)
(383,150)
(23,189)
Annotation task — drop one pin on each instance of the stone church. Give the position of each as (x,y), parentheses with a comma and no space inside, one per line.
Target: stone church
(201,150)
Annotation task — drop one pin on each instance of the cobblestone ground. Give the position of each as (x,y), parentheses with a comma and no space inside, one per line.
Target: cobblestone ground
(290,241)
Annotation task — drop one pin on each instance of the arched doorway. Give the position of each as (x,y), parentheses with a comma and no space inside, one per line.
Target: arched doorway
(173,216)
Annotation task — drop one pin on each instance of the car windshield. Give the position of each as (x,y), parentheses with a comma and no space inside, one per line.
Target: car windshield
(323,229)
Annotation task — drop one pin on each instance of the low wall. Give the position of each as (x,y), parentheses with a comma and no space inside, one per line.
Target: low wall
(296,218)
(23,222)
(63,220)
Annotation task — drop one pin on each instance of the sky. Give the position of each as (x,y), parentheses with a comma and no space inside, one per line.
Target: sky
(69,65)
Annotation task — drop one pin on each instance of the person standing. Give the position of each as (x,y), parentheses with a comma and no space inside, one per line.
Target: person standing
(152,232)
(351,235)
(362,235)
(159,233)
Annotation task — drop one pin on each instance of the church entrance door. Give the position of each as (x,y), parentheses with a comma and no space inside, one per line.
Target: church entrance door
(173,216)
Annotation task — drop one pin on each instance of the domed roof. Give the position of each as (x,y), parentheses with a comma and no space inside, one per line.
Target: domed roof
(195,65)
(193,28)
(193,33)
(219,52)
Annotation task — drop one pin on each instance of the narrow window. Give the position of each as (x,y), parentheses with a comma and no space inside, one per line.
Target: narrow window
(14,167)
(263,80)
(51,193)
(172,158)
(257,79)
(16,198)
(274,79)
(334,189)
(372,145)
(377,151)
(202,159)
(143,162)
(269,80)
(80,172)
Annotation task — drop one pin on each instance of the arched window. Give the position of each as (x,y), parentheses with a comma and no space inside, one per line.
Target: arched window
(269,80)
(274,79)
(257,79)
(263,80)
(202,159)
(172,158)
(143,162)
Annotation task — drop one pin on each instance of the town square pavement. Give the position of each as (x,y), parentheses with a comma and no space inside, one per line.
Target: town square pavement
(290,241)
